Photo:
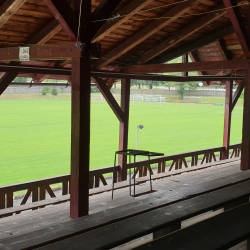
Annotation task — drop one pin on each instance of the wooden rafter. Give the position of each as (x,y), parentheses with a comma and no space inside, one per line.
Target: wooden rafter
(51,29)
(65,16)
(126,12)
(104,10)
(143,34)
(167,56)
(179,36)
(8,8)
(239,25)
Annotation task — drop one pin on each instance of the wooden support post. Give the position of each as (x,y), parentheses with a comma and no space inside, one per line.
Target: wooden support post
(227,119)
(185,60)
(174,227)
(245,149)
(80,137)
(80,127)
(123,137)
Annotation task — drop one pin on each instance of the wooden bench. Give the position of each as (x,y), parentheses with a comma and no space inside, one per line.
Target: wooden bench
(131,221)
(121,232)
(119,185)
(220,232)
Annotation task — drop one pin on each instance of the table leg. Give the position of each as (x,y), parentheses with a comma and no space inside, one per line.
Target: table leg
(134,175)
(113,178)
(130,175)
(150,173)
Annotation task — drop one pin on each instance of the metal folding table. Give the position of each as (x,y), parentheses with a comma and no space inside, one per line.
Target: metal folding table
(132,152)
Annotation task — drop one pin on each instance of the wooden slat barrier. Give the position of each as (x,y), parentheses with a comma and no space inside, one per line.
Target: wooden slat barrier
(186,160)
(39,188)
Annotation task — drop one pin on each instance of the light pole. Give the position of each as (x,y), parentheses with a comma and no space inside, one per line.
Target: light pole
(138,127)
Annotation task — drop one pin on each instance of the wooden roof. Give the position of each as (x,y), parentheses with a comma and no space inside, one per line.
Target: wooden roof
(139,36)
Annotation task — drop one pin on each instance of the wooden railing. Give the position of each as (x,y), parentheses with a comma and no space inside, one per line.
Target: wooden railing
(38,189)
(189,159)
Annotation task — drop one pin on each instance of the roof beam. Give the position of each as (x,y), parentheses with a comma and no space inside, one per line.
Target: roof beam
(16,69)
(222,49)
(239,25)
(179,36)
(103,11)
(184,67)
(169,55)
(143,34)
(65,16)
(154,77)
(109,98)
(60,51)
(116,75)
(8,9)
(126,12)
(46,33)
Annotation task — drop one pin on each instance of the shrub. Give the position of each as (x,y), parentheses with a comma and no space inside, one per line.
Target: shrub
(44,91)
(54,91)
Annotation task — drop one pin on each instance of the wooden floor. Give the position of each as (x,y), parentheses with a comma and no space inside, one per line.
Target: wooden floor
(167,190)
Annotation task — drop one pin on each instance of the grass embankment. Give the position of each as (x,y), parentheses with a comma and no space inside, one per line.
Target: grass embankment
(35,134)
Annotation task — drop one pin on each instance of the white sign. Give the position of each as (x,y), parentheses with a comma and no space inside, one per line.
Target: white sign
(24,54)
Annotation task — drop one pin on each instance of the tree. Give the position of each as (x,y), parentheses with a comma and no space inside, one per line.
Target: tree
(182,86)
(169,84)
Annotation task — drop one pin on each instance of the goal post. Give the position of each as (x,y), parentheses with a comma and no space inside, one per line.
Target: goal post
(148,98)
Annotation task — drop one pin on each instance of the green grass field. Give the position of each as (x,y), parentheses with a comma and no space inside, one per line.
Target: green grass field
(35,134)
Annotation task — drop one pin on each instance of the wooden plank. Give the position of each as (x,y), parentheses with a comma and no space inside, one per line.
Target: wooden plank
(180,35)
(232,227)
(123,133)
(109,98)
(126,12)
(245,149)
(167,56)
(143,34)
(227,119)
(8,9)
(148,222)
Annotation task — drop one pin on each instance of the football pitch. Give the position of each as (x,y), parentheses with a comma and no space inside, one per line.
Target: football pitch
(35,134)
